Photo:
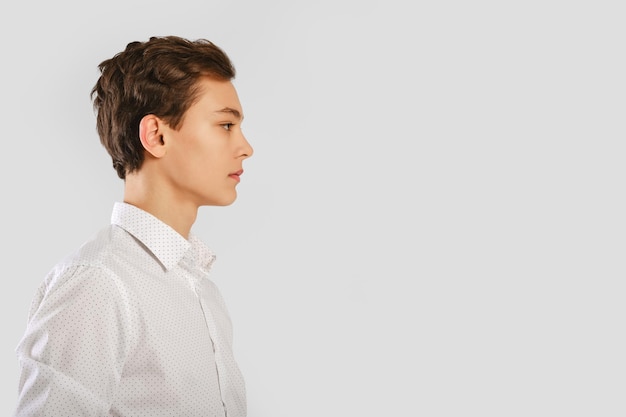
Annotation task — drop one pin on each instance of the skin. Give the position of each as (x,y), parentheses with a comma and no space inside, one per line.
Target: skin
(191,167)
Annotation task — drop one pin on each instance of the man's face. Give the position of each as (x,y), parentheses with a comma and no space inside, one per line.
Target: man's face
(204,157)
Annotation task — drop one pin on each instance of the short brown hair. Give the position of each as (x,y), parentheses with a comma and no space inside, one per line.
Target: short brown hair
(157,77)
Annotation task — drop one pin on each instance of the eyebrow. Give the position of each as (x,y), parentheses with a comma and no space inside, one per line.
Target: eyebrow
(234,112)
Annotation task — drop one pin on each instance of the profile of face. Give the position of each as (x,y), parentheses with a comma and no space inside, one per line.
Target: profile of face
(202,161)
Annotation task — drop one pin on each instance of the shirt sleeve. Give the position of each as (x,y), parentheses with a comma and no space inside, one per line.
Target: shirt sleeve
(77,339)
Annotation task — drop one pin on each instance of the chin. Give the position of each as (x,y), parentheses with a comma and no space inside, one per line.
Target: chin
(222,202)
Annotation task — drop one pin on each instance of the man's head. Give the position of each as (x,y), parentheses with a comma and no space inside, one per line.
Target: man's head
(159,77)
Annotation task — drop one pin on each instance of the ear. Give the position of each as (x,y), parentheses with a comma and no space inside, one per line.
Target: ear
(151,136)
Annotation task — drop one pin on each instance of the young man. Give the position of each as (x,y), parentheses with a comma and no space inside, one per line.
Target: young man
(130,324)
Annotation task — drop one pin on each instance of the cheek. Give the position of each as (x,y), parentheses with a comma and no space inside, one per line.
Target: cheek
(205,162)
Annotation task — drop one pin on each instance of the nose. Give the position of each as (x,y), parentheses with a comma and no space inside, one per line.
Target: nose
(246,149)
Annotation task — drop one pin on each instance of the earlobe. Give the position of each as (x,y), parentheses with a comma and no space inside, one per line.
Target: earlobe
(151,136)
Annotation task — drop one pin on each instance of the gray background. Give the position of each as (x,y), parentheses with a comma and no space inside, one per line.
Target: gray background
(433,221)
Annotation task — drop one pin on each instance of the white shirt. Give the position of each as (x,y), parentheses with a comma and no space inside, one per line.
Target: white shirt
(130,325)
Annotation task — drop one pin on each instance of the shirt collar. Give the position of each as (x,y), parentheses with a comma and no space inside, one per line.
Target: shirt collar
(166,244)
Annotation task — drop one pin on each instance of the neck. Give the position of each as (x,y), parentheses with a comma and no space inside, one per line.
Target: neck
(160,202)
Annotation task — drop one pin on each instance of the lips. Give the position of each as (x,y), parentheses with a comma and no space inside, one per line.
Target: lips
(235,175)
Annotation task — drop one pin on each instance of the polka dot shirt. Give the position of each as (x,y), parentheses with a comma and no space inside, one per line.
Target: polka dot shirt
(130,325)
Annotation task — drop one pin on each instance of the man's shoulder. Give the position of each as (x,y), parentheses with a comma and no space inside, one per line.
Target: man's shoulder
(90,253)
(96,249)
(103,256)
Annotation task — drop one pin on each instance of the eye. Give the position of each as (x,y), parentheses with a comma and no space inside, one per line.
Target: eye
(227,126)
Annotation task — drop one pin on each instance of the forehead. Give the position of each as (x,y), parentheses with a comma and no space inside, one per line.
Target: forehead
(215,95)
